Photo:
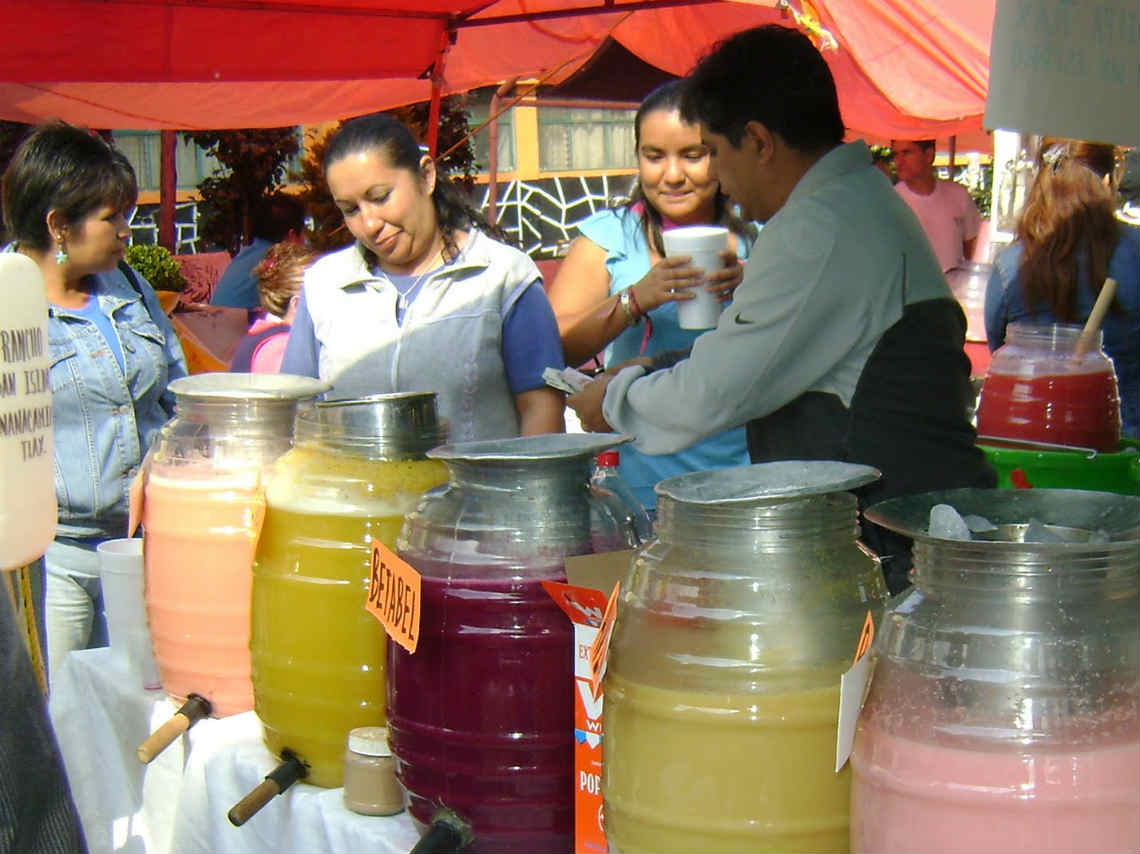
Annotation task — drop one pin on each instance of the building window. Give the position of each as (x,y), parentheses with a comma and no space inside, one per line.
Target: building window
(570,138)
(143,148)
(478,110)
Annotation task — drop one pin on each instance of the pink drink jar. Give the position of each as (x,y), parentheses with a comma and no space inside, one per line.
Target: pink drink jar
(1003,711)
(203,506)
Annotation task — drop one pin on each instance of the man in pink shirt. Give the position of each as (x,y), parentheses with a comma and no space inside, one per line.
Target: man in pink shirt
(947,213)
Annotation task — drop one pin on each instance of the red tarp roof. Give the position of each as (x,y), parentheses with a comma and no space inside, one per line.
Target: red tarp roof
(903,67)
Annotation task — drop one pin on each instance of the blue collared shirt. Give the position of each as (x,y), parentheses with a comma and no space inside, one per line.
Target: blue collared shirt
(106,417)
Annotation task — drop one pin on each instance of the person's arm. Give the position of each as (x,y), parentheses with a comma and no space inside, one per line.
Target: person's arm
(589,318)
(971,227)
(530,345)
(793,321)
(302,353)
(172,350)
(995,310)
(541,410)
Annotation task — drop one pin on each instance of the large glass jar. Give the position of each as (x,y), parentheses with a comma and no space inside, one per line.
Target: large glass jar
(318,656)
(204,502)
(722,689)
(1003,711)
(1038,390)
(480,717)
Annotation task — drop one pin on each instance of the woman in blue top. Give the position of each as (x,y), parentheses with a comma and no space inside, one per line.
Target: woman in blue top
(67,194)
(617,291)
(1068,242)
(425,299)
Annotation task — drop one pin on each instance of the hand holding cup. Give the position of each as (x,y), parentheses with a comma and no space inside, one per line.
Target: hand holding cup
(707,248)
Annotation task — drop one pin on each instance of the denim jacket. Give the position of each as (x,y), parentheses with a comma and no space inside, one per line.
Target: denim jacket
(105,418)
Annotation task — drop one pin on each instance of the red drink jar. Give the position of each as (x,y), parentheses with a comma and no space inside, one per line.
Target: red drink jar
(480,717)
(1038,390)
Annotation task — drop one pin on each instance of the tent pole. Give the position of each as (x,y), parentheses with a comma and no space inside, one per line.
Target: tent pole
(953,151)
(168,188)
(447,39)
(493,156)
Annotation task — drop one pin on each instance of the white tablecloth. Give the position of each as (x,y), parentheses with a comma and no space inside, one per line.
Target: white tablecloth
(179,802)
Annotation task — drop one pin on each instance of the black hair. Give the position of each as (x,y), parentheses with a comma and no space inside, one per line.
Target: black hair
(274,216)
(773,75)
(380,132)
(62,167)
(667,97)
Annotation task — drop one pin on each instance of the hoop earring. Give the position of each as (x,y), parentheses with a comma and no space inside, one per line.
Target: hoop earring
(61,251)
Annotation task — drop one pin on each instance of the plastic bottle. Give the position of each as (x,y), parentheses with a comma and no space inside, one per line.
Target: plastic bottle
(616,495)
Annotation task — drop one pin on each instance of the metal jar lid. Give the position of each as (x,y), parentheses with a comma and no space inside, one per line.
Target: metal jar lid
(404,424)
(549,446)
(238,386)
(764,481)
(1074,516)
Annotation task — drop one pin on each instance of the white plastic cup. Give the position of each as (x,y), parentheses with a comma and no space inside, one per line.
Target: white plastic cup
(703,243)
(121,573)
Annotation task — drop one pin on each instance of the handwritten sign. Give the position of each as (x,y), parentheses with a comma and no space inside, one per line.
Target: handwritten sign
(600,648)
(1055,64)
(394,596)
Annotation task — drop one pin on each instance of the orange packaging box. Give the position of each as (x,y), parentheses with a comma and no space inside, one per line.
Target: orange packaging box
(585,604)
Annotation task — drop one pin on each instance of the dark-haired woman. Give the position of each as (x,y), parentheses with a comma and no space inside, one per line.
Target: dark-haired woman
(67,194)
(424,300)
(616,289)
(1068,242)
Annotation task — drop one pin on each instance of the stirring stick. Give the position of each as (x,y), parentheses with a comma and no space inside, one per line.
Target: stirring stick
(1087,339)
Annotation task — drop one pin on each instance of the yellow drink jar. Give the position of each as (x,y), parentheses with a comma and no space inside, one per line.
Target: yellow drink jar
(722,689)
(318,657)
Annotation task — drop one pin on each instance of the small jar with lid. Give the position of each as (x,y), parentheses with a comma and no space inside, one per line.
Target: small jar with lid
(370,785)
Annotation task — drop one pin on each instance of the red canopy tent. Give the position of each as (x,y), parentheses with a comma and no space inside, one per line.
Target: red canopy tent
(903,67)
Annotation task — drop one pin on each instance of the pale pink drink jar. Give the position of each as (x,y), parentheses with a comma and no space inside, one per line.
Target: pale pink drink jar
(1002,715)
(203,506)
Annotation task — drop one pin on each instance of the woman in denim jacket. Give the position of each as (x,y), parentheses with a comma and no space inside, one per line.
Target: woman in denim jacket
(66,197)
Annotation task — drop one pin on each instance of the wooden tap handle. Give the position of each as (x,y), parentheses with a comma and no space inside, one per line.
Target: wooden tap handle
(291,769)
(248,807)
(193,710)
(162,737)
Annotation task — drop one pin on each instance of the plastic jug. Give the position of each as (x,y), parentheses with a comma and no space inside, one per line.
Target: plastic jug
(1003,713)
(479,718)
(722,690)
(204,503)
(1038,391)
(318,657)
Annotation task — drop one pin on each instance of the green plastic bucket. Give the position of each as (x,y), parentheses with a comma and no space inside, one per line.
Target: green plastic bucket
(1020,468)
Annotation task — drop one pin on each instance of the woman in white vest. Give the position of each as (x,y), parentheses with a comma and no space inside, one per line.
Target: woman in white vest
(424,300)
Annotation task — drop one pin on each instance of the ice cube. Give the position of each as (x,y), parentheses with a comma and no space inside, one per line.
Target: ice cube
(947,523)
(979,524)
(1038,533)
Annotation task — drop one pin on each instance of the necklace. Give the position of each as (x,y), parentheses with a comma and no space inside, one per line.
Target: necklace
(404,297)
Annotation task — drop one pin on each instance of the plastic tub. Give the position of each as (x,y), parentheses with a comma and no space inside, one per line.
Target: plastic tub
(1020,468)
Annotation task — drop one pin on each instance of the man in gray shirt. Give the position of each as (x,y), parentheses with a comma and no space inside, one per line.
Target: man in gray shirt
(843,341)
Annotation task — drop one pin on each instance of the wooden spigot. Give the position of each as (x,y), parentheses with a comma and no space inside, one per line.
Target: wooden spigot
(276,781)
(193,710)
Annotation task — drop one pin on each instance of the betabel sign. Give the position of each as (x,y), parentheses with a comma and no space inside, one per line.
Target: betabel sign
(1066,68)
